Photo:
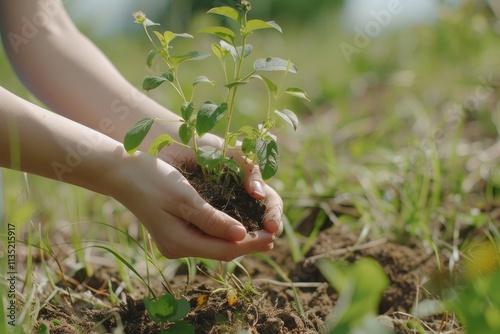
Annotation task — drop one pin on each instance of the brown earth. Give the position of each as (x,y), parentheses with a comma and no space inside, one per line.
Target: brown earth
(273,309)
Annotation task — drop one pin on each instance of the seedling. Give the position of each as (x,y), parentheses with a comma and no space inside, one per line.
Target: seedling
(258,144)
(169,310)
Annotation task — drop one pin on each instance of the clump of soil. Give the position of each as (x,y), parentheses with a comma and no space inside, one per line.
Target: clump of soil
(226,195)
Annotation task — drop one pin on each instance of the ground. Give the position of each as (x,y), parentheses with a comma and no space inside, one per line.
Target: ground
(273,309)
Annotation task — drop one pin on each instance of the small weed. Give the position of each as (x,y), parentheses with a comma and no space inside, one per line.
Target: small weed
(168,311)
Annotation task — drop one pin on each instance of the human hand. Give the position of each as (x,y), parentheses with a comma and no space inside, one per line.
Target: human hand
(253,182)
(180,222)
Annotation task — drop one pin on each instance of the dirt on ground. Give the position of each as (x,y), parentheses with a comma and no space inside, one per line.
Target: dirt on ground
(273,308)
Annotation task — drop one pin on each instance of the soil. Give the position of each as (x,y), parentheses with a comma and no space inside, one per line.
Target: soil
(272,309)
(227,195)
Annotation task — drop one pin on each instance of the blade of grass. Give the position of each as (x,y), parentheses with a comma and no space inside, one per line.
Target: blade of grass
(130,266)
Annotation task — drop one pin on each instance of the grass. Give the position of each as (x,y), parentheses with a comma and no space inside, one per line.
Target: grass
(398,143)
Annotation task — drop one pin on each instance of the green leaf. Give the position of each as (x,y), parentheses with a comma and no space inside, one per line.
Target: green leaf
(233,167)
(203,78)
(217,50)
(168,75)
(249,130)
(183,327)
(208,116)
(231,49)
(153,82)
(136,134)
(186,132)
(163,309)
(222,32)
(248,50)
(232,138)
(161,38)
(274,64)
(209,158)
(271,86)
(193,55)
(248,145)
(43,329)
(236,83)
(187,110)
(259,24)
(297,92)
(151,56)
(170,36)
(182,309)
(160,142)
(360,287)
(289,117)
(227,12)
(268,157)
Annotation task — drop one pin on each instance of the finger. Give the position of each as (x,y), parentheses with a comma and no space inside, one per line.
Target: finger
(274,214)
(192,242)
(191,207)
(257,188)
(253,183)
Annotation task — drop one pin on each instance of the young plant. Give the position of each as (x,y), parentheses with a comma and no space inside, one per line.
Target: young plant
(258,144)
(169,310)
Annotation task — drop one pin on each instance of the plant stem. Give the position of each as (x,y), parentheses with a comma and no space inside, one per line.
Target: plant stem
(231,100)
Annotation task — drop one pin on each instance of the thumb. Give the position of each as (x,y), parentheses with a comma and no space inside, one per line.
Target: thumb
(253,183)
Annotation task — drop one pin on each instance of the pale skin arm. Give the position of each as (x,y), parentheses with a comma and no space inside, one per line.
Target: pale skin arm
(182,224)
(71,76)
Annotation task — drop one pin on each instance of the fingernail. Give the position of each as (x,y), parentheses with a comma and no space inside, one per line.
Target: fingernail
(258,188)
(237,232)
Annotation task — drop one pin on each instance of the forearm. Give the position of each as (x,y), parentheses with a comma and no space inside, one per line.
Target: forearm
(40,142)
(70,75)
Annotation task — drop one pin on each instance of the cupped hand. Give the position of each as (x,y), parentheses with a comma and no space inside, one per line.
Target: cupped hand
(253,182)
(180,222)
